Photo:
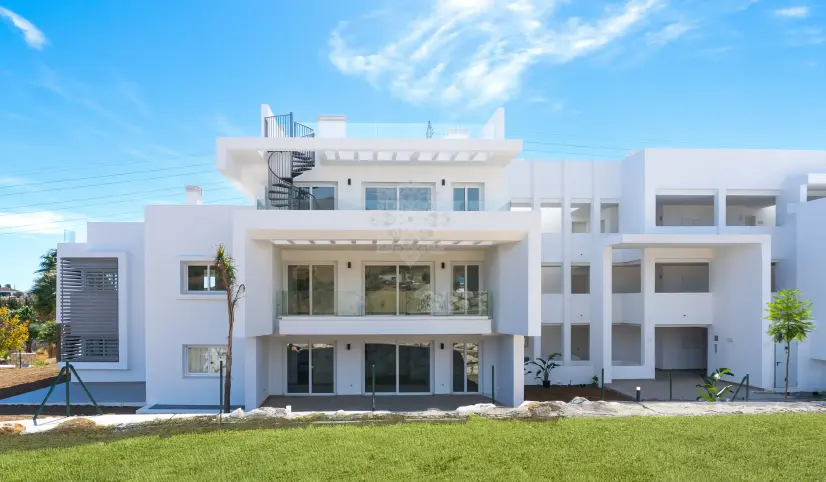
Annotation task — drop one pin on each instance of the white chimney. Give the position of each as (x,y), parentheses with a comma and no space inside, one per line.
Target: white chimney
(194,195)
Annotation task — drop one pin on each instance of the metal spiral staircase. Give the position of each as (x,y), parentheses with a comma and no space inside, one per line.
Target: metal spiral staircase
(285,166)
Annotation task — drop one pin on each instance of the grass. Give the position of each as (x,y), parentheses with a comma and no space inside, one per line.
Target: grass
(740,447)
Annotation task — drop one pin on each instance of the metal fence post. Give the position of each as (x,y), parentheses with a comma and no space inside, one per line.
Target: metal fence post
(747,387)
(373,376)
(493,384)
(602,384)
(670,393)
(68,381)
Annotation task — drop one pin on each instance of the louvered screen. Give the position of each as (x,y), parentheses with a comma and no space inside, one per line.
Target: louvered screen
(89,309)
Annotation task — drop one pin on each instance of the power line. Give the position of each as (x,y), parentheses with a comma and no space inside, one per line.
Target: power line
(101,176)
(116,182)
(108,196)
(101,204)
(88,219)
(141,161)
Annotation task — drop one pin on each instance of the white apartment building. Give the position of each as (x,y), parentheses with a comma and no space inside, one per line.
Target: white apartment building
(434,262)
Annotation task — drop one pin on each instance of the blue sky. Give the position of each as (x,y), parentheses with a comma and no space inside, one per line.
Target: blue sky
(107,106)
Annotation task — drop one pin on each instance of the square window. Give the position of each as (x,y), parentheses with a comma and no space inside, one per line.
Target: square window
(204,360)
(203,278)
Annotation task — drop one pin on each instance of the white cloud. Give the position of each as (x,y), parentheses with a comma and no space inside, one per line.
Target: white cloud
(476,52)
(806,36)
(793,12)
(42,222)
(668,34)
(31,34)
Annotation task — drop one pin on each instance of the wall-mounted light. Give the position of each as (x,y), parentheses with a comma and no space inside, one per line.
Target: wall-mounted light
(443,182)
(349,181)
(348,346)
(443,265)
(349,264)
(442,346)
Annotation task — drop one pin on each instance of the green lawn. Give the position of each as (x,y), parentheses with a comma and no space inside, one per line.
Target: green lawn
(763,447)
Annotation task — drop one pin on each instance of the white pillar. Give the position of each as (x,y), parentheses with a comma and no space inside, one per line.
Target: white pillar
(601,309)
(251,388)
(648,329)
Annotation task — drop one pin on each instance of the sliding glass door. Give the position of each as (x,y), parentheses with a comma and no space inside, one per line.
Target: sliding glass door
(397,290)
(311,290)
(467,297)
(465,367)
(397,367)
(397,198)
(310,368)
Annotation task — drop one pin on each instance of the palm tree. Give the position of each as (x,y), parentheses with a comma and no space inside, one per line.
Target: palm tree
(45,286)
(790,319)
(225,268)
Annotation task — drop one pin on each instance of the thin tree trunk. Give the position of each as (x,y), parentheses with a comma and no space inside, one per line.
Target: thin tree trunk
(788,354)
(228,366)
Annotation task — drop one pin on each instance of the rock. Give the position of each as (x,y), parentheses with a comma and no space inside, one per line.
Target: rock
(478,408)
(578,400)
(267,412)
(238,412)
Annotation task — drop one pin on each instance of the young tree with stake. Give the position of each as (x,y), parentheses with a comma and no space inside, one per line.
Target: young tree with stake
(790,319)
(225,270)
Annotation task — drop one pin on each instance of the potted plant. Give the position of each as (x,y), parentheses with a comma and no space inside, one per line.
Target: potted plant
(542,369)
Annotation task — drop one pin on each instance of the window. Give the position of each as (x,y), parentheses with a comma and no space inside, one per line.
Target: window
(681,278)
(393,198)
(580,343)
(551,217)
(204,360)
(320,197)
(202,277)
(311,290)
(580,280)
(397,290)
(552,280)
(467,198)
(626,278)
(581,217)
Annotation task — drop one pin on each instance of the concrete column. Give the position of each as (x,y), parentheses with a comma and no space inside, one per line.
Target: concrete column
(648,328)
(720,210)
(566,271)
(250,374)
(601,309)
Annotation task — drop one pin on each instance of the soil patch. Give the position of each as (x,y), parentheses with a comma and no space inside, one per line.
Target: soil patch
(536,393)
(19,412)
(14,381)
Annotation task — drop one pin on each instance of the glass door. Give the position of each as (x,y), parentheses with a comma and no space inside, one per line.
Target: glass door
(310,368)
(466,289)
(311,289)
(398,368)
(397,290)
(465,367)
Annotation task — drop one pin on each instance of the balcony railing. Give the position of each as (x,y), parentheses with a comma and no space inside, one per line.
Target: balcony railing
(380,302)
(317,204)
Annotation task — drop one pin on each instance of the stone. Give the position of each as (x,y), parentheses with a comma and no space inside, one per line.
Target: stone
(267,412)
(578,400)
(238,412)
(477,408)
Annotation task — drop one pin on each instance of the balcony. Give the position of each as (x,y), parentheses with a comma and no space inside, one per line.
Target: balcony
(382,312)
(311,202)
(680,308)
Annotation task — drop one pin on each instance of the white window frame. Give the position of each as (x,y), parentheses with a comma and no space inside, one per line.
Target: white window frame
(187,373)
(398,186)
(311,185)
(464,186)
(185,279)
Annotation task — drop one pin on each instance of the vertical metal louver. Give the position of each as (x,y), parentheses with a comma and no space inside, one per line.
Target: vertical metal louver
(89,309)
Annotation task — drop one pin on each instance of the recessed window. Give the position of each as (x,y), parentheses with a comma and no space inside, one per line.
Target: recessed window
(551,279)
(580,279)
(204,360)
(467,198)
(317,197)
(397,198)
(202,278)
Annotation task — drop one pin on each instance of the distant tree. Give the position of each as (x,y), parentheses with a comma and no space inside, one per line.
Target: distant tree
(790,319)
(225,268)
(48,335)
(45,286)
(26,314)
(7,286)
(13,332)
